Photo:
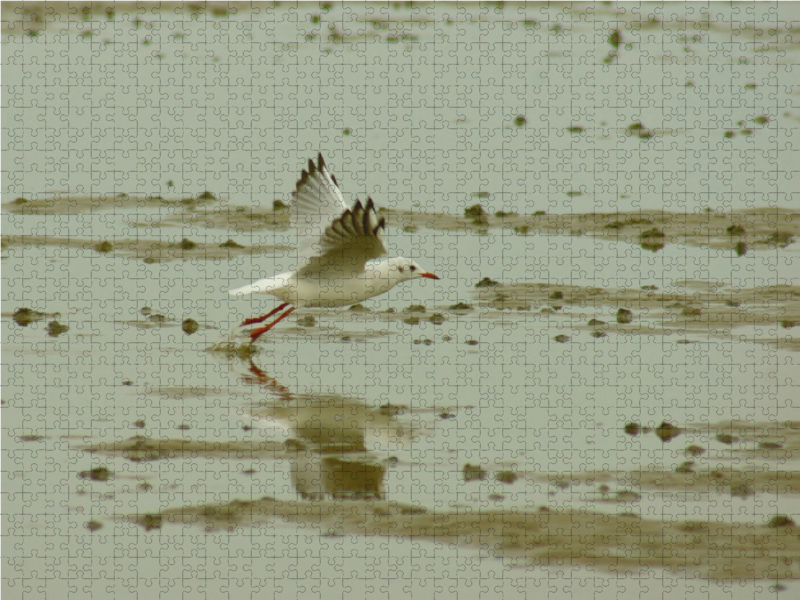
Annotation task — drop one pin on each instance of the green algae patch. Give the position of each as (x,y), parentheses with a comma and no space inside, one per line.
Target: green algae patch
(25,316)
(54,328)
(97,474)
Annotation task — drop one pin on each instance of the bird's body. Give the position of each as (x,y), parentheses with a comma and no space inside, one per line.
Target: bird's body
(327,290)
(338,247)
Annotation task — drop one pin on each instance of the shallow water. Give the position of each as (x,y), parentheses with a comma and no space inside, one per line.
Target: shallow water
(602,394)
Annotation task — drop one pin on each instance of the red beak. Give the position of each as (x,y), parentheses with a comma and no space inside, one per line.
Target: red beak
(428,275)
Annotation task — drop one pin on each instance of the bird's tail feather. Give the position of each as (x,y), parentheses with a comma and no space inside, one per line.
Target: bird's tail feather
(263,286)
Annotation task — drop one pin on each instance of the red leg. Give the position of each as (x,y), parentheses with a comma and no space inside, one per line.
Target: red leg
(265,317)
(257,333)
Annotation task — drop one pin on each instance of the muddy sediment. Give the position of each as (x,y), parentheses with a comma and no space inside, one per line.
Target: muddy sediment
(617,543)
(341,484)
(149,251)
(693,310)
(144,449)
(736,231)
(699,308)
(758,228)
(73,204)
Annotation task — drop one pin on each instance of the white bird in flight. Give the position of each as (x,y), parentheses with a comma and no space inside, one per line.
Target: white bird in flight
(336,243)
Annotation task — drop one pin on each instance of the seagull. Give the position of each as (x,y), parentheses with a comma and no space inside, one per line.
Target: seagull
(337,250)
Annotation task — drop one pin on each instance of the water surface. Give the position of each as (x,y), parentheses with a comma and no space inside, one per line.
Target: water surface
(600,391)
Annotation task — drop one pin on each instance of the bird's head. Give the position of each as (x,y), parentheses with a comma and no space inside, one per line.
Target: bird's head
(404,268)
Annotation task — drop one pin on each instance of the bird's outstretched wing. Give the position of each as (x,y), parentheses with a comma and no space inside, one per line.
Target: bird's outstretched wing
(334,239)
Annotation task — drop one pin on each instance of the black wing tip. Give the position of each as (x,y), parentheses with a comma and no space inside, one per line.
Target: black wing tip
(321,166)
(361,212)
(370,207)
(381,222)
(304,175)
(313,169)
(365,218)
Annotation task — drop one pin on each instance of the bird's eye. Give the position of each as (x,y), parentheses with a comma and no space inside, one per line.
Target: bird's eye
(413,268)
(401,269)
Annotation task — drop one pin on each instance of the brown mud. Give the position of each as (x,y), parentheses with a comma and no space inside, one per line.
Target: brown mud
(142,449)
(701,309)
(758,228)
(738,231)
(618,543)
(149,251)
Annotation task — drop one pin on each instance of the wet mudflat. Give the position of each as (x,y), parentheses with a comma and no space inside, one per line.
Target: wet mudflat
(619,543)
(343,493)
(601,391)
(718,228)
(260,449)
(245,430)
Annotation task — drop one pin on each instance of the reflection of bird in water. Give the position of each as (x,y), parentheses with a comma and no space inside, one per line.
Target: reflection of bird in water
(335,246)
(330,440)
